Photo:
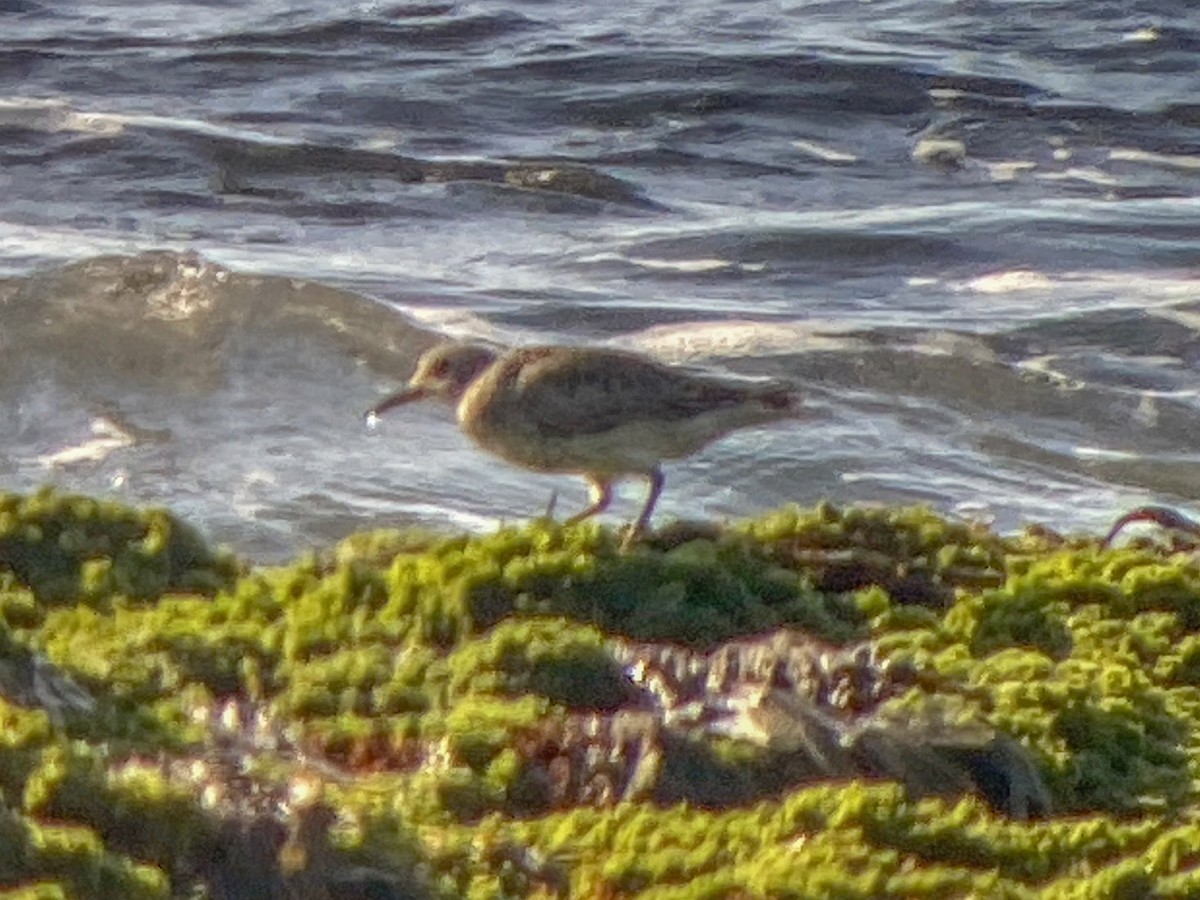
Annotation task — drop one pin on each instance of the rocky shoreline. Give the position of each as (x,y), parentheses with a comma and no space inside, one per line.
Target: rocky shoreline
(817,703)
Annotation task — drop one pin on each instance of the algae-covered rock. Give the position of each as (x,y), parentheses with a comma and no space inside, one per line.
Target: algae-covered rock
(818,703)
(66,548)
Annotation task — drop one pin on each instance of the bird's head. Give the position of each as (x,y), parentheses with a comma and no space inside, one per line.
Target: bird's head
(444,371)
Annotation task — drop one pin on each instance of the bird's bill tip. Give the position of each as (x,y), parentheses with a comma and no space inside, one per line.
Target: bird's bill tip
(401,397)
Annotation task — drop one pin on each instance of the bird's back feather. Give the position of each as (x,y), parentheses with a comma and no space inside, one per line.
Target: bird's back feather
(570,392)
(606,411)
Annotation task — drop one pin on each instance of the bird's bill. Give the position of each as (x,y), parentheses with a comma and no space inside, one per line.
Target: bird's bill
(401,397)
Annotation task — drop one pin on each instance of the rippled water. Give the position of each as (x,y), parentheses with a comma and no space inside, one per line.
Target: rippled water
(968,231)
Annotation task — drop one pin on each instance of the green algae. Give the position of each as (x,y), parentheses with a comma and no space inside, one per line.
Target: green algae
(68,549)
(406,672)
(565,663)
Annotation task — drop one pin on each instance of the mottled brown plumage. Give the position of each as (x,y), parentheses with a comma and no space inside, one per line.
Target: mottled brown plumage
(603,414)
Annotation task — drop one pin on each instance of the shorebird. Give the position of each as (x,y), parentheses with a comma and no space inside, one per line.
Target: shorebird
(603,414)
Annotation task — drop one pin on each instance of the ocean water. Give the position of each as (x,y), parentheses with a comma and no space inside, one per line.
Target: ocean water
(968,232)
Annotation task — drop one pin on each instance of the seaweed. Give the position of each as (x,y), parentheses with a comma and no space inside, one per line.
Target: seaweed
(822,703)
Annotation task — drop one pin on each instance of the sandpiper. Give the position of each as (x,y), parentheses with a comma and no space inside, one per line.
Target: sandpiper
(603,414)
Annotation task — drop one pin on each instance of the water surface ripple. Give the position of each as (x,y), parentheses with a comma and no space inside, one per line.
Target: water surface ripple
(969,232)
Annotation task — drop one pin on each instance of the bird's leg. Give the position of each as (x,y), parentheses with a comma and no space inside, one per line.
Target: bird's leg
(656,480)
(600,492)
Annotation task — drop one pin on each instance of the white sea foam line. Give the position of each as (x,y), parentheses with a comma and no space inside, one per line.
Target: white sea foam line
(679,265)
(457,517)
(23,240)
(1180,161)
(711,264)
(461,325)
(53,115)
(1128,289)
(694,340)
(1009,170)
(107,437)
(58,114)
(1013,280)
(826,154)
(944,344)
(1088,174)
(1153,360)
(1015,487)
(1146,34)
(52,243)
(1104,453)
(684,265)
(708,218)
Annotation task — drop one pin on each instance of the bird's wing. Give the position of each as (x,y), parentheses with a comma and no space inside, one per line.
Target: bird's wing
(588,392)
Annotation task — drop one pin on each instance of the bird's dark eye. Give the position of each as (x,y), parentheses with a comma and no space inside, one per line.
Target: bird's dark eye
(440,369)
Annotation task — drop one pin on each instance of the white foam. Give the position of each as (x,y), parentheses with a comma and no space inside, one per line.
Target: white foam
(1173,160)
(456,518)
(940,152)
(1144,35)
(1046,367)
(461,325)
(1008,282)
(687,266)
(57,115)
(1159,292)
(826,154)
(249,489)
(43,242)
(700,340)
(1088,174)
(1009,170)
(1104,454)
(691,266)
(107,437)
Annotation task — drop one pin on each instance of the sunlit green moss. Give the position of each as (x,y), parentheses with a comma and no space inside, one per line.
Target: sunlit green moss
(67,548)
(565,663)
(417,664)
